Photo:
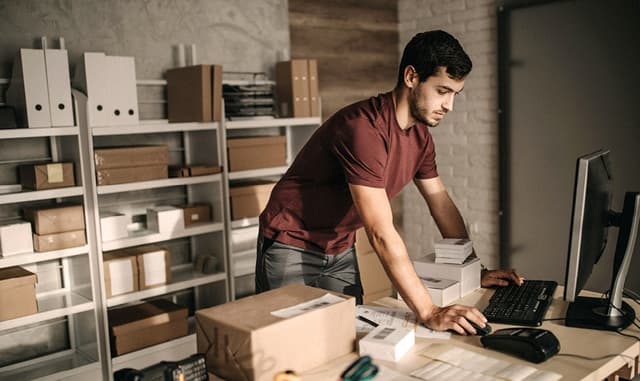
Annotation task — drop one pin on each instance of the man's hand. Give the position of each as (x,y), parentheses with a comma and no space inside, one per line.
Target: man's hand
(500,278)
(455,317)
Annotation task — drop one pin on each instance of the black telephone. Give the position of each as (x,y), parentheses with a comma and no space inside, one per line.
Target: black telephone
(532,344)
(192,368)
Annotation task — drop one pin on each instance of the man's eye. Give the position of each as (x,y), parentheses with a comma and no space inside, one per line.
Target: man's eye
(442,92)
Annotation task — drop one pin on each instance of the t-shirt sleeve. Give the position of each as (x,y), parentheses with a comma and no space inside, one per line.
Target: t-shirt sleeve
(428,169)
(361,150)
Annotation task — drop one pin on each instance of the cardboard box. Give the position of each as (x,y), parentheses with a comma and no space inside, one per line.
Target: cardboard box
(255,153)
(113,226)
(59,241)
(120,273)
(194,170)
(55,219)
(387,343)
(292,88)
(154,266)
(138,156)
(124,175)
(165,219)
(194,93)
(442,291)
(375,282)
(468,273)
(248,201)
(314,92)
(15,238)
(241,348)
(17,293)
(46,176)
(196,214)
(142,325)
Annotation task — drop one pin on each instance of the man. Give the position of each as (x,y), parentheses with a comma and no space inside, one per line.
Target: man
(344,176)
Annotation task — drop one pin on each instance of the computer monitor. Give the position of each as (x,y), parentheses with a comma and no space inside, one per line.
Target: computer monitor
(591,218)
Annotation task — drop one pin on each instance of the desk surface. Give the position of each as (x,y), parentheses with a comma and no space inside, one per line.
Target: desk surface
(584,342)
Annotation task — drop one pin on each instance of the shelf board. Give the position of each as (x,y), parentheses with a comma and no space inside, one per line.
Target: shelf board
(11,198)
(26,258)
(153,126)
(18,133)
(244,223)
(275,122)
(273,171)
(56,368)
(146,237)
(163,183)
(181,279)
(179,348)
(52,306)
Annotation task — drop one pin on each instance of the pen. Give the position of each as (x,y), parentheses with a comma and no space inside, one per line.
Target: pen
(364,319)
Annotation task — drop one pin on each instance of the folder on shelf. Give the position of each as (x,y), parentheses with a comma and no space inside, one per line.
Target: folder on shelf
(28,91)
(91,79)
(59,86)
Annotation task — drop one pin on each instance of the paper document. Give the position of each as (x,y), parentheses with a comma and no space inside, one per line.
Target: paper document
(301,308)
(396,318)
(454,363)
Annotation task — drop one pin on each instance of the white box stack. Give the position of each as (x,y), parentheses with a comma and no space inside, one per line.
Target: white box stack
(442,291)
(467,273)
(387,343)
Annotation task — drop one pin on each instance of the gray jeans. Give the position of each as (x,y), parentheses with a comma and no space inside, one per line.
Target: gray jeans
(278,264)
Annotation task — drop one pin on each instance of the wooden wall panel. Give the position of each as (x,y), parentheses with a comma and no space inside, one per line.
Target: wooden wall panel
(355,43)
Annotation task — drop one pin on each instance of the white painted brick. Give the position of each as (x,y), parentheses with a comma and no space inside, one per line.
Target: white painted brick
(473,14)
(434,22)
(447,7)
(481,3)
(408,25)
(407,10)
(482,24)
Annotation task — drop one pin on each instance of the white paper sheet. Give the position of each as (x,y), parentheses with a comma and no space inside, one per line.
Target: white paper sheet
(301,308)
(155,270)
(452,362)
(396,318)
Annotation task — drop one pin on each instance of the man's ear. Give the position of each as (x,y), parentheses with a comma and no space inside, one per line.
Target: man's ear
(410,76)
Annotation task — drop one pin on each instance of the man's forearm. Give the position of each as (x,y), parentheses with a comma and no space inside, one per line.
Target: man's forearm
(447,216)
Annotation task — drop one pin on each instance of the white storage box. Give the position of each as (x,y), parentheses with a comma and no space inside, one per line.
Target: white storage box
(468,273)
(165,219)
(113,226)
(387,343)
(15,238)
(442,291)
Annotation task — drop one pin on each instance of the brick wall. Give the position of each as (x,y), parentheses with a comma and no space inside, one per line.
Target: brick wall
(467,140)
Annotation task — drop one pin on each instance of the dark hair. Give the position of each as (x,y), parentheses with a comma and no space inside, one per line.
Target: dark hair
(429,50)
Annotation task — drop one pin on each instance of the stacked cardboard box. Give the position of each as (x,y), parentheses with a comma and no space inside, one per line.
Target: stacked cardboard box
(237,348)
(137,268)
(57,227)
(375,282)
(195,93)
(46,176)
(146,324)
(248,201)
(256,152)
(130,164)
(297,88)
(17,293)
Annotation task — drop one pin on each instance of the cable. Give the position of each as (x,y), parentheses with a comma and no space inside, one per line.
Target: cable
(554,319)
(631,336)
(596,358)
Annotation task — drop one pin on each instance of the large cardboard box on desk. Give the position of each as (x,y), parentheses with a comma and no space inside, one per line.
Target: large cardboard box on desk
(374,279)
(17,293)
(248,201)
(243,340)
(256,153)
(467,273)
(46,176)
(145,324)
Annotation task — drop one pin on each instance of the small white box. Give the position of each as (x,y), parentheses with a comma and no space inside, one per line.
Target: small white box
(15,238)
(165,219)
(113,226)
(467,273)
(387,343)
(442,291)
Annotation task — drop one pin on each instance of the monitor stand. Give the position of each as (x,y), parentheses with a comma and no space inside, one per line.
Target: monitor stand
(593,313)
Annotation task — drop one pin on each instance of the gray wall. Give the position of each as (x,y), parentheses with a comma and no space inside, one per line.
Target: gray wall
(572,92)
(241,35)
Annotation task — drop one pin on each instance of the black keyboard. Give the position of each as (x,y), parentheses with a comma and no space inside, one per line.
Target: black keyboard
(521,305)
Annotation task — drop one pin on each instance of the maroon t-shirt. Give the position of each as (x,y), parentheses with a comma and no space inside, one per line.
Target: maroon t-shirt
(362,144)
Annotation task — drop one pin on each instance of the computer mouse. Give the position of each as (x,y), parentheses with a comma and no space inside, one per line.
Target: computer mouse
(532,344)
(481,331)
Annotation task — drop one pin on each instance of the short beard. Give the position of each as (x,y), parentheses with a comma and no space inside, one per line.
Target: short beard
(415,111)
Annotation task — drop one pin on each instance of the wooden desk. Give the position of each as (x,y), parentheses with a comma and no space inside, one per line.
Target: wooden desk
(584,342)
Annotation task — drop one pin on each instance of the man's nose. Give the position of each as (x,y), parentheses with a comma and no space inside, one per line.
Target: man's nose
(447,105)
